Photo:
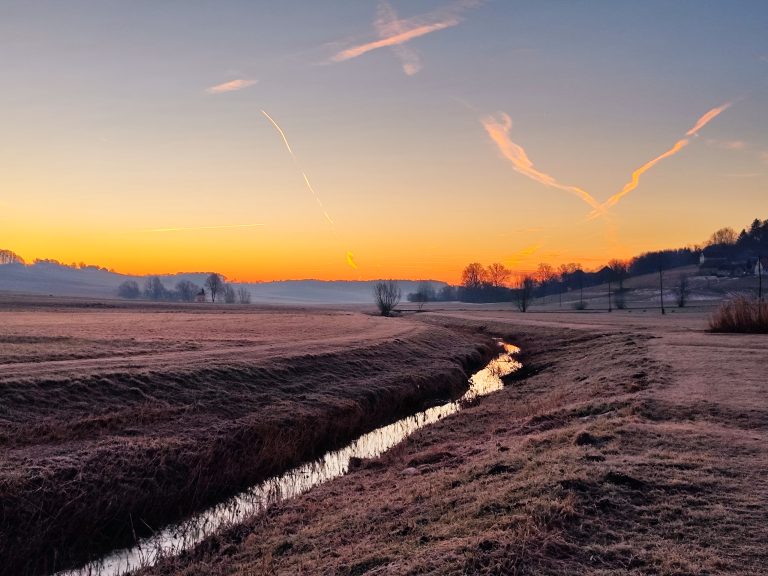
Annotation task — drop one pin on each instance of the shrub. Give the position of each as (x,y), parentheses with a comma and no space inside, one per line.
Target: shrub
(387,296)
(740,314)
(580,305)
(129,289)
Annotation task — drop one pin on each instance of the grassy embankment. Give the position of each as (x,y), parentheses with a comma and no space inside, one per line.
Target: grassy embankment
(117,422)
(637,446)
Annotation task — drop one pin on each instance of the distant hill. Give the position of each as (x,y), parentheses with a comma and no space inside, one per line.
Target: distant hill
(61,280)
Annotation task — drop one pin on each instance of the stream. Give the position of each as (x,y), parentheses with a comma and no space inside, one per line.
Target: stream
(185,535)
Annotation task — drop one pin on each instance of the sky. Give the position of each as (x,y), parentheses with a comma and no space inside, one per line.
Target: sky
(357,139)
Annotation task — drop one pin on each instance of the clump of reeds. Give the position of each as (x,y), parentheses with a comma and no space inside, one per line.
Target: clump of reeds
(741,314)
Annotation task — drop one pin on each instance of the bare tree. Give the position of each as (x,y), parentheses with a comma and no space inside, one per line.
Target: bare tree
(243,295)
(424,293)
(154,289)
(387,296)
(524,292)
(619,272)
(723,236)
(473,276)
(620,269)
(187,290)
(497,274)
(682,291)
(129,289)
(9,257)
(546,276)
(229,294)
(215,284)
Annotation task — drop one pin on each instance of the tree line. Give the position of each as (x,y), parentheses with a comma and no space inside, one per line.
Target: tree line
(497,283)
(215,287)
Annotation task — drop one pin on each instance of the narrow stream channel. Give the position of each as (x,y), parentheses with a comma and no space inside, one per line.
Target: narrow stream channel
(185,535)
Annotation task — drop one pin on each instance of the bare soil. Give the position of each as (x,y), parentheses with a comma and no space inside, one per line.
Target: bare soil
(638,444)
(116,419)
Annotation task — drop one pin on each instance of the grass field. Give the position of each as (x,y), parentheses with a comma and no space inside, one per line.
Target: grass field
(637,446)
(636,443)
(115,420)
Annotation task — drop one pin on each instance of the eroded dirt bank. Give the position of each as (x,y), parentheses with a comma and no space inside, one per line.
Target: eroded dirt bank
(637,446)
(97,444)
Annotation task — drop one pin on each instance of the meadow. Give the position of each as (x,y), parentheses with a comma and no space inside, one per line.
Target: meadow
(116,419)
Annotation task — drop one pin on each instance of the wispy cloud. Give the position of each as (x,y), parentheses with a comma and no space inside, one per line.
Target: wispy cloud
(679,145)
(389,26)
(351,261)
(231,86)
(727,144)
(182,229)
(520,256)
(499,131)
(395,32)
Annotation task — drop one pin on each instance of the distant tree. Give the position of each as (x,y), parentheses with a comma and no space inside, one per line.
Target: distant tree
(186,291)
(387,295)
(154,289)
(9,257)
(524,292)
(424,293)
(546,276)
(473,276)
(620,271)
(215,284)
(723,236)
(447,293)
(229,294)
(243,295)
(129,289)
(496,275)
(564,273)
(682,291)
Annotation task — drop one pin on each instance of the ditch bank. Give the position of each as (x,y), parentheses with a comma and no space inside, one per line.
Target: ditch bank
(98,462)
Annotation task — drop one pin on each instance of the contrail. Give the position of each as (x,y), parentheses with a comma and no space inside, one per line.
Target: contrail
(203,228)
(296,161)
(704,120)
(311,188)
(499,133)
(351,261)
(400,38)
(388,25)
(401,31)
(679,145)
(282,134)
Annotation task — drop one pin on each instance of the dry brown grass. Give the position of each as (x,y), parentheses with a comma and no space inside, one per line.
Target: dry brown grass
(741,314)
(604,460)
(102,446)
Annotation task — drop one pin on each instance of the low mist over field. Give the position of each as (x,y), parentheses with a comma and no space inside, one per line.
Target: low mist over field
(91,281)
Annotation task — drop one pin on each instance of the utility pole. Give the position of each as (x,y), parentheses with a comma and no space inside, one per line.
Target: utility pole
(661,286)
(759,278)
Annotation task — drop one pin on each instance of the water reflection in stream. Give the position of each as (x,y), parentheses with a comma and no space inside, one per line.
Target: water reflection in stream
(183,536)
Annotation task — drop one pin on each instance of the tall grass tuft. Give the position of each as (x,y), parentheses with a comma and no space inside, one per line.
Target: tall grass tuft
(741,314)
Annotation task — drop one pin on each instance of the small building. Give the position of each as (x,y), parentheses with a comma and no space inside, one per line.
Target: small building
(760,267)
(200,296)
